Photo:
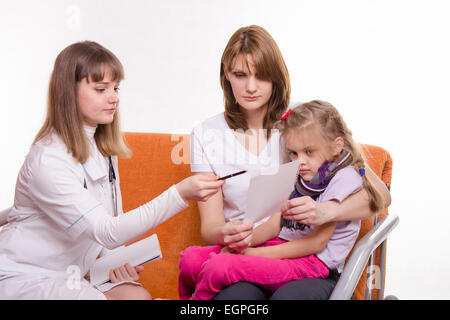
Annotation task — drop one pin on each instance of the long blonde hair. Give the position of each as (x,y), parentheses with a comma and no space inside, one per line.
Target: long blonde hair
(324,116)
(269,65)
(81,60)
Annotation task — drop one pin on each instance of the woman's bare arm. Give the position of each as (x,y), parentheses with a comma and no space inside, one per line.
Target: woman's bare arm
(214,228)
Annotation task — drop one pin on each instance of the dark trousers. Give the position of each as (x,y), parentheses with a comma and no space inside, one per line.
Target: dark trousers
(303,289)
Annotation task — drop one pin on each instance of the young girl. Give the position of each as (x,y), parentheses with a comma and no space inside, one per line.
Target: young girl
(281,251)
(256,89)
(68,207)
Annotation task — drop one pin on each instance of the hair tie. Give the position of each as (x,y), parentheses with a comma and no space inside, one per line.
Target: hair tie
(362,171)
(286,114)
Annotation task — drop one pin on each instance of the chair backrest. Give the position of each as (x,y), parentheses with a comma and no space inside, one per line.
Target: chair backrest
(380,162)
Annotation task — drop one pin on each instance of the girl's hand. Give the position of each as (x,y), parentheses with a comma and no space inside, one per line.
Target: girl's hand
(199,187)
(237,235)
(125,273)
(305,210)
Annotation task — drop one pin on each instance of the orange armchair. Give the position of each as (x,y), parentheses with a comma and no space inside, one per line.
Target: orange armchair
(160,160)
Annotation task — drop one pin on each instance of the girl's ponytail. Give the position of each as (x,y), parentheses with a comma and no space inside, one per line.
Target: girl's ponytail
(375,199)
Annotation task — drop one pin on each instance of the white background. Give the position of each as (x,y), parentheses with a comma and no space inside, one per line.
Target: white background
(384,64)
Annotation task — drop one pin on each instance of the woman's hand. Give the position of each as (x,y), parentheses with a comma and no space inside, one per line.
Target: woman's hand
(307,211)
(125,273)
(199,187)
(237,235)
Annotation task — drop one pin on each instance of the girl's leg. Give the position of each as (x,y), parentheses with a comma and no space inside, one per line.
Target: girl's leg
(191,261)
(222,270)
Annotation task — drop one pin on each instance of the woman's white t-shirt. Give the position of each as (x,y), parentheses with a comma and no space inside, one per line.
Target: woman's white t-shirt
(214,148)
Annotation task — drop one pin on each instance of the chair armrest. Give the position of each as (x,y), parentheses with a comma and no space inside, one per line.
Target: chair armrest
(3,215)
(357,262)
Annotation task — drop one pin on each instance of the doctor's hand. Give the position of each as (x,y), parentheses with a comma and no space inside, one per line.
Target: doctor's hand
(125,273)
(236,235)
(305,210)
(199,187)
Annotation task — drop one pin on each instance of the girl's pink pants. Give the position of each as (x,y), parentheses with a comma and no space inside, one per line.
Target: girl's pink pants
(204,271)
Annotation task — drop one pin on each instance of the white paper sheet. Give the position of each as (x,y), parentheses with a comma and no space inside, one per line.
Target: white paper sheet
(135,254)
(267,193)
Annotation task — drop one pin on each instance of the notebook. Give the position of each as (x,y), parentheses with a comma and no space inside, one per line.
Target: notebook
(136,254)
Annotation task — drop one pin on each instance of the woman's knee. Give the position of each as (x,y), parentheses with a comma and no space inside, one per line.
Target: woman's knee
(242,291)
(128,292)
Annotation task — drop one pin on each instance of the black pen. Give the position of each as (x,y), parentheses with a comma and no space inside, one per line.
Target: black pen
(232,175)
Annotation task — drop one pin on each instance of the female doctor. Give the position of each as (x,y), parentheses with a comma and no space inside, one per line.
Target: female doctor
(67,208)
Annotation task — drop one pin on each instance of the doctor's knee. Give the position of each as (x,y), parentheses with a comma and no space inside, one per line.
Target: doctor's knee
(128,292)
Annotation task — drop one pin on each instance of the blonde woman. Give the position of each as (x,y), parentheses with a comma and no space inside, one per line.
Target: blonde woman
(256,87)
(67,209)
